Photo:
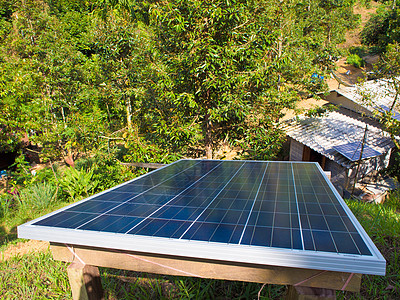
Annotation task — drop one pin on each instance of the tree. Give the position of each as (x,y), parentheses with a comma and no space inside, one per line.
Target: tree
(217,76)
(382,28)
(388,69)
(46,79)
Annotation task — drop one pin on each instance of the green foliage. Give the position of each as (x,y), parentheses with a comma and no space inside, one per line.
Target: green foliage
(107,171)
(181,75)
(78,183)
(383,27)
(379,220)
(36,197)
(21,173)
(355,60)
(5,205)
(319,111)
(228,64)
(139,150)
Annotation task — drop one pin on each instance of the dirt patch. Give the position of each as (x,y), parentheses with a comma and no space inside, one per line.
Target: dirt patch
(353,37)
(348,74)
(301,107)
(23,248)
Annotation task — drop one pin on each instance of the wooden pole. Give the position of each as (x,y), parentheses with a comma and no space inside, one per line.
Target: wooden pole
(359,159)
(309,293)
(85,282)
(143,165)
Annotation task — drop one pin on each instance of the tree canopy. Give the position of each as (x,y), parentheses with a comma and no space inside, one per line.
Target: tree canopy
(176,77)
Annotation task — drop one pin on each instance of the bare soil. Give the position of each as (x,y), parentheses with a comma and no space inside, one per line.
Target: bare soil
(23,248)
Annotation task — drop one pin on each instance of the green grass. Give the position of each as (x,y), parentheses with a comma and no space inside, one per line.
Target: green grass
(8,224)
(38,276)
(34,276)
(120,284)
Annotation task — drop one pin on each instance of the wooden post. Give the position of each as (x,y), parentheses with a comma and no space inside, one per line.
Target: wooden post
(85,282)
(309,293)
(359,160)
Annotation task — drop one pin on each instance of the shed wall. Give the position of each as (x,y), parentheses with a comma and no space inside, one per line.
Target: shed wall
(296,150)
(338,175)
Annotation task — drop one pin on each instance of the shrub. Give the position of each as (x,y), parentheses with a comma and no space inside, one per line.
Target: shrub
(78,183)
(107,170)
(355,60)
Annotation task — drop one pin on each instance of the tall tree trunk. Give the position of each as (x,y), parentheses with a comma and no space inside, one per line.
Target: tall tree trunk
(208,136)
(328,34)
(128,113)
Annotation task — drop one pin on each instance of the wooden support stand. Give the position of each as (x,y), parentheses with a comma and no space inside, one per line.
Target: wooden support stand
(309,293)
(85,282)
(323,283)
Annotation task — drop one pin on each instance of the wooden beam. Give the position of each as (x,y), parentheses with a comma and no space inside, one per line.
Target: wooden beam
(85,282)
(143,165)
(309,293)
(184,266)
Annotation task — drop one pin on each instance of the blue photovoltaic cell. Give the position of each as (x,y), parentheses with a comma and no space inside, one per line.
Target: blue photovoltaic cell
(352,151)
(267,204)
(395,114)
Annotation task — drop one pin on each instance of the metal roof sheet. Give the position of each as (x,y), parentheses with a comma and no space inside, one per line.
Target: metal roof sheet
(336,128)
(371,94)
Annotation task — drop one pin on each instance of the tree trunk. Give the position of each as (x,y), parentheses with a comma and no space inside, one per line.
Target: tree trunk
(128,113)
(328,35)
(208,136)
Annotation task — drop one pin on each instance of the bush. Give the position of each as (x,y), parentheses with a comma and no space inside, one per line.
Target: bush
(355,60)
(107,170)
(382,28)
(78,183)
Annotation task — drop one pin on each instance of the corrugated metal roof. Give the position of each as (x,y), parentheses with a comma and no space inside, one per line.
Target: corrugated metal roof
(371,94)
(337,128)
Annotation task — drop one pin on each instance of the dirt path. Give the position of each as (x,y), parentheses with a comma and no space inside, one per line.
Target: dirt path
(23,248)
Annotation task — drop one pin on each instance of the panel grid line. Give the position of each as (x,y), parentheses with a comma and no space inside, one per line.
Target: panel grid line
(129,199)
(252,207)
(298,211)
(326,222)
(215,197)
(344,223)
(173,198)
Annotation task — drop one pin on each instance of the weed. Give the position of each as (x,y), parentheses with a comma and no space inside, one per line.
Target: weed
(37,196)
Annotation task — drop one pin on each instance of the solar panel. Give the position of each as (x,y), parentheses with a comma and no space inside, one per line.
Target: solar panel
(271,213)
(352,151)
(384,108)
